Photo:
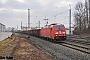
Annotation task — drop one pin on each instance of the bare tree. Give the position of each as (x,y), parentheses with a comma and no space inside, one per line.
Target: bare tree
(79,17)
(85,18)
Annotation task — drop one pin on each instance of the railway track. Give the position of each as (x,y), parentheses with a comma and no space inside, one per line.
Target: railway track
(79,41)
(83,49)
(78,37)
(77,47)
(81,45)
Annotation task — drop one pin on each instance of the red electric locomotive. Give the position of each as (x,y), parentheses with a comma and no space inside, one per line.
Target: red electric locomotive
(54,31)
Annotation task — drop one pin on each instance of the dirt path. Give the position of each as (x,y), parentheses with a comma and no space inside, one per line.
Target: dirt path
(28,51)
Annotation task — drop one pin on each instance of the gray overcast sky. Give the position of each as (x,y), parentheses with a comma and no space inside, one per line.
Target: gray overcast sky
(12,12)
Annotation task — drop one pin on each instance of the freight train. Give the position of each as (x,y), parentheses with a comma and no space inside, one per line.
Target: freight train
(53,32)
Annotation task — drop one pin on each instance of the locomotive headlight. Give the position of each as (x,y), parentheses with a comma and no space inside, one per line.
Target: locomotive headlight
(56,33)
(63,32)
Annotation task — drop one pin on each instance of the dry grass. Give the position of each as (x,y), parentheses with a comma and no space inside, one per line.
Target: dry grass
(27,50)
(7,45)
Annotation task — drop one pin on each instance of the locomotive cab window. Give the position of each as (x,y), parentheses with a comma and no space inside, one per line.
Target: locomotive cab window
(59,28)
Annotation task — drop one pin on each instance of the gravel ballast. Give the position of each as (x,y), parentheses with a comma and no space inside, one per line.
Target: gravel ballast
(60,51)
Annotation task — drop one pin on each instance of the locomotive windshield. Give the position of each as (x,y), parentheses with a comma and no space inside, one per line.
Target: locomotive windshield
(59,28)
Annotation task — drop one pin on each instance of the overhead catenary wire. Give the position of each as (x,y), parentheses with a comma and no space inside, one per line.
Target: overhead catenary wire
(52,10)
(54,15)
(61,13)
(57,7)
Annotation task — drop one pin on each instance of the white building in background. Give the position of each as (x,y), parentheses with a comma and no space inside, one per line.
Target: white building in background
(11,29)
(67,31)
(2,28)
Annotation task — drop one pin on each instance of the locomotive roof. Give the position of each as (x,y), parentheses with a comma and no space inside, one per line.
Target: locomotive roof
(54,24)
